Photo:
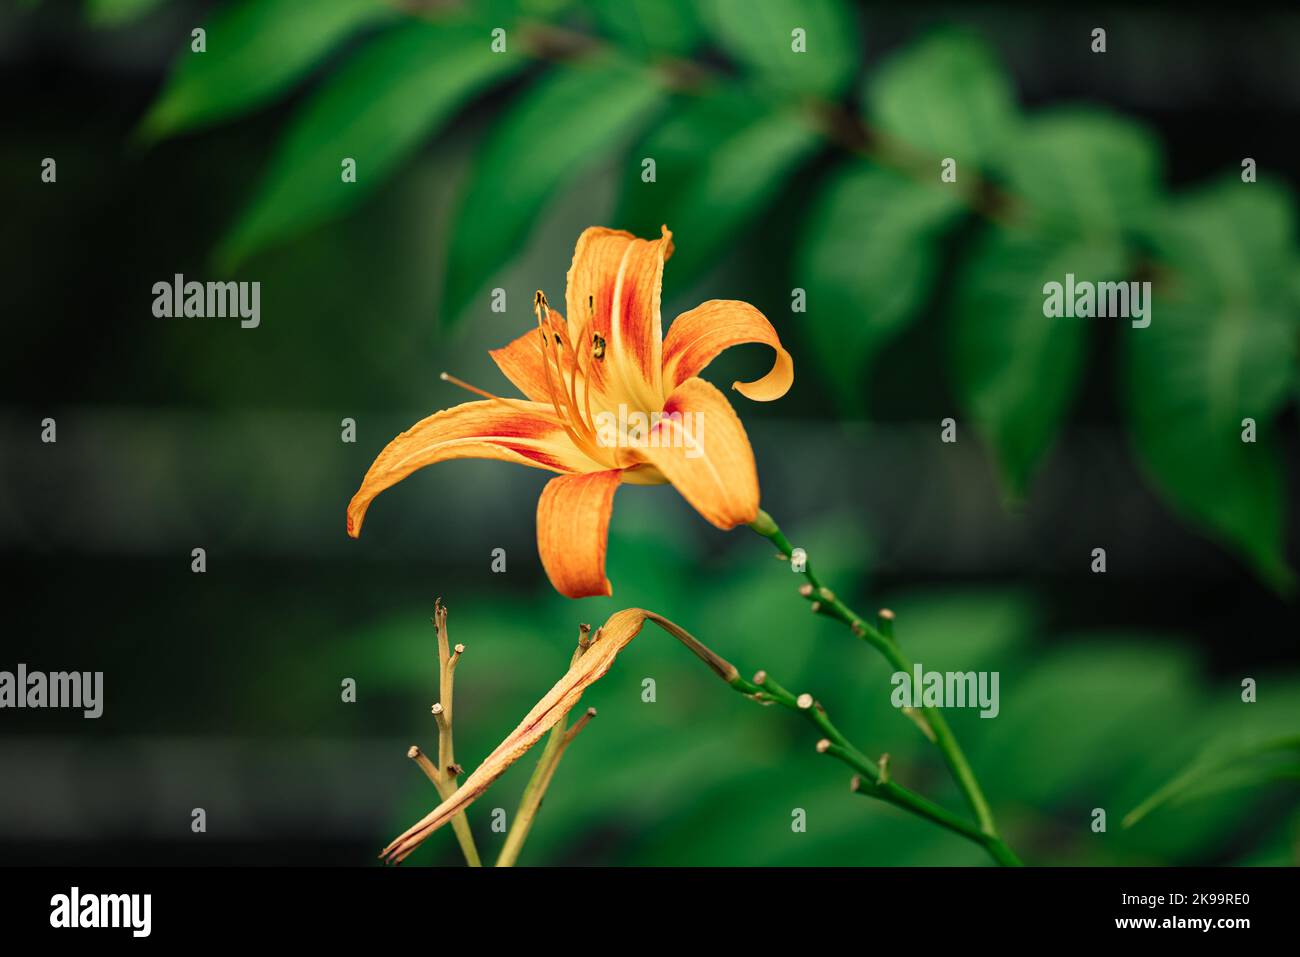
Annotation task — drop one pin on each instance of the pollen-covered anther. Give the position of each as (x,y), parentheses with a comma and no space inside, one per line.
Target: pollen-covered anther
(562,368)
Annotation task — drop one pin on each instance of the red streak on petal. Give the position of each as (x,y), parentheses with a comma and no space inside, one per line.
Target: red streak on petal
(536,455)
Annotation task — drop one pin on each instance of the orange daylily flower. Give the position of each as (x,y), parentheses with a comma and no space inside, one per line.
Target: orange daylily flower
(609,400)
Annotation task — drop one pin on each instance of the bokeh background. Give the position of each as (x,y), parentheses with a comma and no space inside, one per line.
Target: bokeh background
(776,171)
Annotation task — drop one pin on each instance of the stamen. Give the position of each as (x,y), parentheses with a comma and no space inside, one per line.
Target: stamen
(564,359)
(571,360)
(543,320)
(516,404)
(586,377)
(578,431)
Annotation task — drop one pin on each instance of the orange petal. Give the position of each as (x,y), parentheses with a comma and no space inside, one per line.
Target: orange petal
(614,284)
(611,638)
(523,363)
(700,446)
(573,529)
(522,432)
(696,337)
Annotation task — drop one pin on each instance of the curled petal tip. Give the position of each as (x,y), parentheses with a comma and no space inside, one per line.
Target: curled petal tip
(696,338)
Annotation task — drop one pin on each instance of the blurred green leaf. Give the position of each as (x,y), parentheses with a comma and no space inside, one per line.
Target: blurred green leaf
(1236,744)
(1230,239)
(1222,768)
(376,110)
(1281,848)
(255,50)
(1069,723)
(501,13)
(1221,347)
(635,773)
(650,26)
(760,36)
(1083,171)
(719,162)
(112,13)
(963,629)
(944,96)
(1015,369)
(568,122)
(868,260)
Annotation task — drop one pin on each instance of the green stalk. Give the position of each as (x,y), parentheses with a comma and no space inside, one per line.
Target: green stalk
(826,602)
(446,787)
(531,801)
(873,780)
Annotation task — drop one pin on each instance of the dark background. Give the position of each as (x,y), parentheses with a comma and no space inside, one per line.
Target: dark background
(222,689)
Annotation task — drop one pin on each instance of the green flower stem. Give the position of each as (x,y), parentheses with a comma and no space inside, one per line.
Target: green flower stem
(873,779)
(446,787)
(531,801)
(825,602)
(447,769)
